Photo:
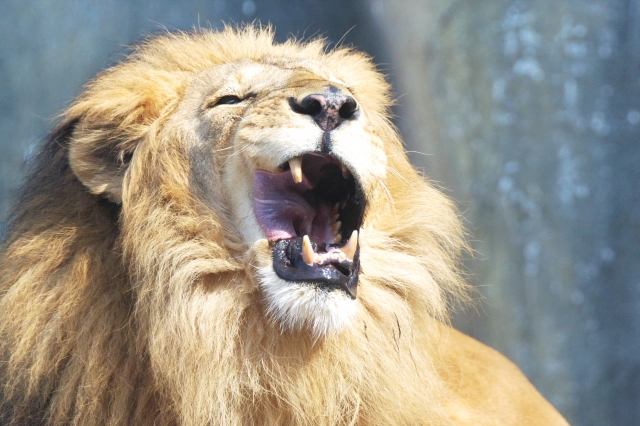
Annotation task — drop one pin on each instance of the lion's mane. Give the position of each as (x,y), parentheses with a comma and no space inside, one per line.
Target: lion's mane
(147,311)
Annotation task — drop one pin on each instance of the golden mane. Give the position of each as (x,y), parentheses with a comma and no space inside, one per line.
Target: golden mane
(125,298)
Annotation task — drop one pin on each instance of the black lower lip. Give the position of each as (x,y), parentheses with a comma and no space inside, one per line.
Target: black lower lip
(289,265)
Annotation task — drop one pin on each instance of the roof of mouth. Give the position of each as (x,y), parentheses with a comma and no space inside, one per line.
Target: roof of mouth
(286,209)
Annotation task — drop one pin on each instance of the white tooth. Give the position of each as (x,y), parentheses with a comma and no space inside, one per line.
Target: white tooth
(335,208)
(335,218)
(336,227)
(308,255)
(319,259)
(295,164)
(337,239)
(345,172)
(342,256)
(349,249)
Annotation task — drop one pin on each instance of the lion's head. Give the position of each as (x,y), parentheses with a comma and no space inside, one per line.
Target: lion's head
(226,230)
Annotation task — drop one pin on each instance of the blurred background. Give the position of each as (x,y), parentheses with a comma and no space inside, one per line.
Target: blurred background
(527,112)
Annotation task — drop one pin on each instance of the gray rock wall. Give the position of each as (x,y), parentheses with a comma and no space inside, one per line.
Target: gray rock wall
(529,112)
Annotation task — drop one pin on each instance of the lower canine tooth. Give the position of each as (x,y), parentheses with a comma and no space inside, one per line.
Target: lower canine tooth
(337,239)
(308,255)
(345,172)
(295,164)
(349,249)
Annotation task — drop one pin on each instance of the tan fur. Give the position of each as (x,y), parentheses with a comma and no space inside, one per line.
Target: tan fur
(134,278)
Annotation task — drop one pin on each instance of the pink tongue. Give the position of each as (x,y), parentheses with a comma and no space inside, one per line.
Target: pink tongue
(279,205)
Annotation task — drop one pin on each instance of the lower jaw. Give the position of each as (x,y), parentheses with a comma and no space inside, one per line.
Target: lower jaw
(303,307)
(289,265)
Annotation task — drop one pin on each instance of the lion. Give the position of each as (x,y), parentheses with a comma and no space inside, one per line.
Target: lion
(224,230)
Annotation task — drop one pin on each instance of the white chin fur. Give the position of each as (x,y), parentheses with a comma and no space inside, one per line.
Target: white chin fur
(295,306)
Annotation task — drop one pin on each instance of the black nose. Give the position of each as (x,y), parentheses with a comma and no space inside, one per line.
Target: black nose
(328,110)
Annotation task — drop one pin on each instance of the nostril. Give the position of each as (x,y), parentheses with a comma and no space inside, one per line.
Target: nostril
(311,105)
(349,107)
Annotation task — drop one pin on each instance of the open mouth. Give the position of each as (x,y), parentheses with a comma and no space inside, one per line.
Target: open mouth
(311,213)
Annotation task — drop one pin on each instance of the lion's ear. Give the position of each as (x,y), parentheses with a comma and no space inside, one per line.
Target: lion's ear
(99,164)
(113,115)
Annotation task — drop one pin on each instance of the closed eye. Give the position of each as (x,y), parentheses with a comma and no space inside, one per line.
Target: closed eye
(230,100)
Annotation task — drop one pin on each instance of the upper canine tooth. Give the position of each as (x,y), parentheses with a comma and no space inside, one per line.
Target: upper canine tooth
(345,172)
(295,164)
(336,227)
(308,255)
(349,249)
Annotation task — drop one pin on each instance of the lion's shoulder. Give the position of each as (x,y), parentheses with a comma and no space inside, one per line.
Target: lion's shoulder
(488,389)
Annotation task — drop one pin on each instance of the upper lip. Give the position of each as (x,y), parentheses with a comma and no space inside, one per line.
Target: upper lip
(315,205)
